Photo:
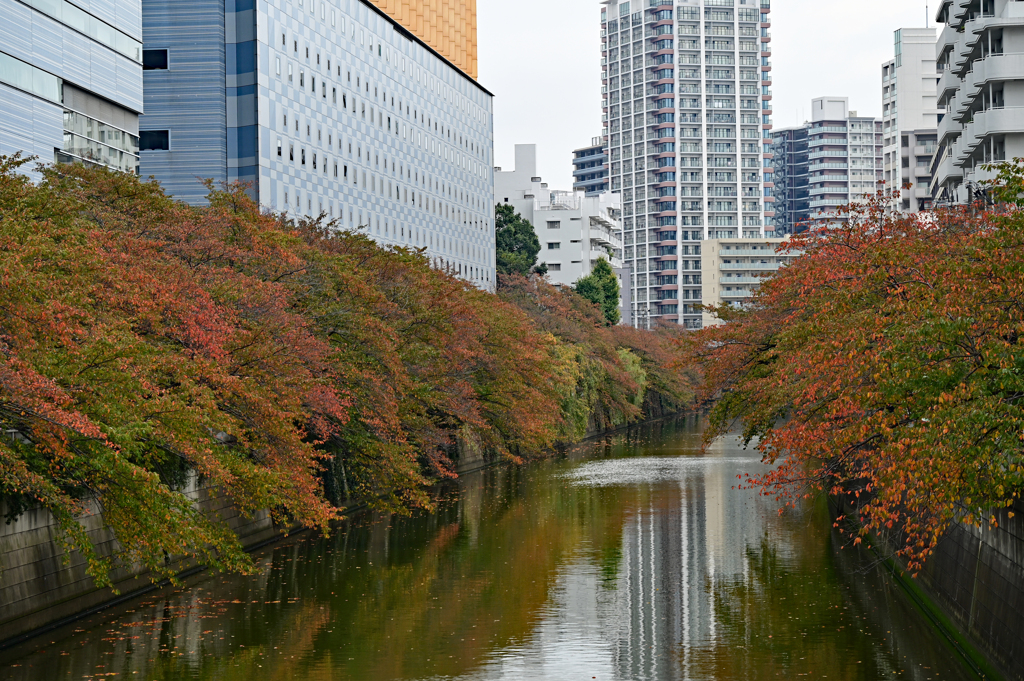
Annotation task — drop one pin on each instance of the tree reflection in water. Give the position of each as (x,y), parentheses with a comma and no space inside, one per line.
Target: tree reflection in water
(632,558)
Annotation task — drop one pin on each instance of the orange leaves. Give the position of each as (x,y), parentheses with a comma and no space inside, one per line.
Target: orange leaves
(880,366)
(151,350)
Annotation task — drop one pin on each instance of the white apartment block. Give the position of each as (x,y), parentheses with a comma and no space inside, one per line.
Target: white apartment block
(979,56)
(734,268)
(844,156)
(909,118)
(687,114)
(575,230)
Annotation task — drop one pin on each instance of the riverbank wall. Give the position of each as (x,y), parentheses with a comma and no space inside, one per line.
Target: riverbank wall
(974,583)
(42,584)
(976,575)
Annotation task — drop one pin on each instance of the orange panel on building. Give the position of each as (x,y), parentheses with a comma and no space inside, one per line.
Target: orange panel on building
(447,26)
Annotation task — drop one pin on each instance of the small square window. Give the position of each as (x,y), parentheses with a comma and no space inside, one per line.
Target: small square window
(154,60)
(554,246)
(154,140)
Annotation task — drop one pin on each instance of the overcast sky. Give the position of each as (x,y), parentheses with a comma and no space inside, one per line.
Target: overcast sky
(542,61)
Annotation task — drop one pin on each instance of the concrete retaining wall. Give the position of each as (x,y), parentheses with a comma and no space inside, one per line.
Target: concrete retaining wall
(977,577)
(40,584)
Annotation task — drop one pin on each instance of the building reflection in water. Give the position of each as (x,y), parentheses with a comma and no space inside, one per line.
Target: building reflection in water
(686,530)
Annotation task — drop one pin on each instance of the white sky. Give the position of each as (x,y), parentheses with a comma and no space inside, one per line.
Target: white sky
(542,61)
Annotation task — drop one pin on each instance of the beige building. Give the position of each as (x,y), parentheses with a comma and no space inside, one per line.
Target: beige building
(447,26)
(733,269)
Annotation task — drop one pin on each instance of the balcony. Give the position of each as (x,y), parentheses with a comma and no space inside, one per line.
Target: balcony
(818,191)
(827,166)
(827,203)
(736,295)
(995,68)
(828,141)
(949,129)
(830,154)
(728,281)
(751,266)
(737,252)
(996,122)
(949,83)
(947,172)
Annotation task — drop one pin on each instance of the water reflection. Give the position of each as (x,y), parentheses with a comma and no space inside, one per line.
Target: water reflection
(631,559)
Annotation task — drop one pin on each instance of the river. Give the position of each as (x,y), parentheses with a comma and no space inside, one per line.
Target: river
(629,559)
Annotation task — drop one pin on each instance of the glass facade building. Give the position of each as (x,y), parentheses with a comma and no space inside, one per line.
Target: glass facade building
(687,104)
(71,80)
(323,106)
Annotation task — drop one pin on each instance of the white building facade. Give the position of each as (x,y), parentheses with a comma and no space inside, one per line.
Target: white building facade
(575,230)
(687,105)
(323,106)
(734,268)
(844,156)
(979,56)
(909,118)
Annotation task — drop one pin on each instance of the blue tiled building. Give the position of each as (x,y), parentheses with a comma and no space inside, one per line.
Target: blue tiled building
(590,168)
(71,80)
(322,106)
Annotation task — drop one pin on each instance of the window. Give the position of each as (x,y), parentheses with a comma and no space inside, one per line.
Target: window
(154,60)
(553,224)
(554,246)
(154,140)
(555,267)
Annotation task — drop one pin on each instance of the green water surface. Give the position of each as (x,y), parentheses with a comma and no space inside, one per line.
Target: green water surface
(631,559)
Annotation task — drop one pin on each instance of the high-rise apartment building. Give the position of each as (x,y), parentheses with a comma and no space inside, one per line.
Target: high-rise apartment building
(980,61)
(791,176)
(71,81)
(734,269)
(687,104)
(844,156)
(590,168)
(832,161)
(909,118)
(324,106)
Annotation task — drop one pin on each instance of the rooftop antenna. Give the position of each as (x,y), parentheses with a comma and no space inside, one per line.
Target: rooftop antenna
(926,20)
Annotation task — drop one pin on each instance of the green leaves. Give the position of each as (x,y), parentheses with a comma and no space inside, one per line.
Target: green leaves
(601,287)
(516,241)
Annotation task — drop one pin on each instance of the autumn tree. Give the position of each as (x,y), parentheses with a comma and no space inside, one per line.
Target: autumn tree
(153,352)
(884,365)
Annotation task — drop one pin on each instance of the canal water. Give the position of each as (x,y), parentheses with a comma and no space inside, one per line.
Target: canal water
(629,559)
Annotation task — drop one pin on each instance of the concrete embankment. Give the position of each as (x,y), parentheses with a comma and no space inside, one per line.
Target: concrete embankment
(42,585)
(973,586)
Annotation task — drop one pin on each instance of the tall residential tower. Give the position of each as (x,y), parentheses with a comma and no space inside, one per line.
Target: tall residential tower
(909,118)
(687,104)
(980,60)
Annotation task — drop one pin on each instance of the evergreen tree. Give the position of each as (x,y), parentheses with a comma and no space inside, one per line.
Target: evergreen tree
(516,241)
(601,287)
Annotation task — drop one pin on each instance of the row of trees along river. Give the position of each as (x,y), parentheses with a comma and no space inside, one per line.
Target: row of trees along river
(297,367)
